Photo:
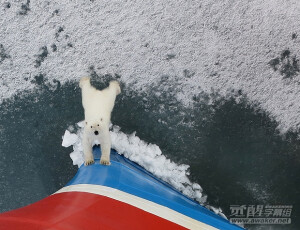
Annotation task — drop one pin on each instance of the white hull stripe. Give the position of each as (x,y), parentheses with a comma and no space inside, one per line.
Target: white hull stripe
(146,205)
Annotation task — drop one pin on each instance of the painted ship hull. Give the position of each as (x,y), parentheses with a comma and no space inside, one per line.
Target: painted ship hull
(120,196)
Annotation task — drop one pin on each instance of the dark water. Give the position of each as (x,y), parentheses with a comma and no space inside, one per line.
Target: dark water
(234,150)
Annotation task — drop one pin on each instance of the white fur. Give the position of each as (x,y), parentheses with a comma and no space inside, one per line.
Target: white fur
(98,105)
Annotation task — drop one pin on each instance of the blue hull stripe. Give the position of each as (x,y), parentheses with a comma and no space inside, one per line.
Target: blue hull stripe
(129,177)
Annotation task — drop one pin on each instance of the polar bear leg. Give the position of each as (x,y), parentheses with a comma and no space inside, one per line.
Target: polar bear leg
(105,146)
(87,150)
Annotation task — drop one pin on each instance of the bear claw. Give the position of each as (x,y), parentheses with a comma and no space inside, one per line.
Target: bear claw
(89,162)
(104,162)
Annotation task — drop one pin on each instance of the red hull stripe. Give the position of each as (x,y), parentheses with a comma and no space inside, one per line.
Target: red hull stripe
(140,203)
(81,210)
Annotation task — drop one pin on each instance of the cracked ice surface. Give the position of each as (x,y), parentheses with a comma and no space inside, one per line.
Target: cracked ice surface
(221,46)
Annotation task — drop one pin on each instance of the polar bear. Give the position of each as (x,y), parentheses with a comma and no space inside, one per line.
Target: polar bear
(98,105)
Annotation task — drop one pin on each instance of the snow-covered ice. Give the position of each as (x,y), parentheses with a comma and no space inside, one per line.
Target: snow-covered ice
(250,47)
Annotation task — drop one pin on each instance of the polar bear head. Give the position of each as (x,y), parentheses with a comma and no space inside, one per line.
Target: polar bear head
(94,127)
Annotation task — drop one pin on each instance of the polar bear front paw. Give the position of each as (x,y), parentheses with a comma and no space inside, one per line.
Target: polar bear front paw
(104,161)
(83,81)
(89,161)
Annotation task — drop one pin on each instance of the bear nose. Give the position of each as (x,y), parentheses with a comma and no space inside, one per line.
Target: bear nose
(96,132)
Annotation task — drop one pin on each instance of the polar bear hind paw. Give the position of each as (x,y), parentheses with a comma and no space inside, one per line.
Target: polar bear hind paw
(89,162)
(104,162)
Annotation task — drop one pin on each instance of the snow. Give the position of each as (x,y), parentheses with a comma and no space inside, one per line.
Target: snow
(212,46)
(145,154)
(69,139)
